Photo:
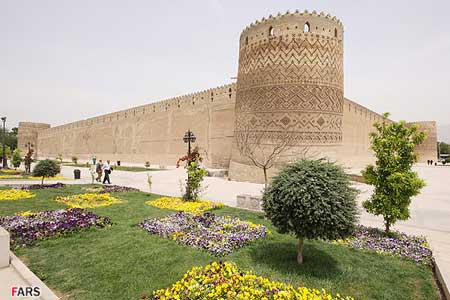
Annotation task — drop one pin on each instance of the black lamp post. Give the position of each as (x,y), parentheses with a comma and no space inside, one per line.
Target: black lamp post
(189,138)
(29,146)
(4,144)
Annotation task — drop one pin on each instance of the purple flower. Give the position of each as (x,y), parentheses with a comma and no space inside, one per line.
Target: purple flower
(218,235)
(412,247)
(25,230)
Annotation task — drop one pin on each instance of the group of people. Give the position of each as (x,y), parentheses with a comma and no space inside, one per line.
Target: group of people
(430,162)
(102,168)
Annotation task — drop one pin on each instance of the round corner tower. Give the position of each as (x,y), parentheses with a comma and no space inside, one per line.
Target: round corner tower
(290,79)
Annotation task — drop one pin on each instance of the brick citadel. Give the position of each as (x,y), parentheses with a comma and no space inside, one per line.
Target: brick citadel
(290,79)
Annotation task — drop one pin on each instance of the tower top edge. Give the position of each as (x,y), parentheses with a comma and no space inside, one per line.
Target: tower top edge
(295,15)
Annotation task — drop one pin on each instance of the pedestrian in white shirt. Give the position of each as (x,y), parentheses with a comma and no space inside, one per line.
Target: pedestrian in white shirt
(107,170)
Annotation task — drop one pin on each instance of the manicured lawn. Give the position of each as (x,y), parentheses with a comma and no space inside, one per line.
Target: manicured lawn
(124,261)
(119,168)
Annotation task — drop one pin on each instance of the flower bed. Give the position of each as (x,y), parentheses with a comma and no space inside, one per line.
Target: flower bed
(29,177)
(58,177)
(216,234)
(27,228)
(15,194)
(415,248)
(88,200)
(12,176)
(225,281)
(40,186)
(194,207)
(111,189)
(10,171)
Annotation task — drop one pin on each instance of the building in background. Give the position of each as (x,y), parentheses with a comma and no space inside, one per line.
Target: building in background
(290,79)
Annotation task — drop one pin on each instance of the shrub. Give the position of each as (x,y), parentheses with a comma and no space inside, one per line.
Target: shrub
(46,168)
(392,176)
(16,158)
(74,159)
(312,199)
(195,174)
(7,152)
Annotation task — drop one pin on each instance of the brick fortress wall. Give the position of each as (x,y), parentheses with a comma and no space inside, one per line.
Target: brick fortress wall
(290,78)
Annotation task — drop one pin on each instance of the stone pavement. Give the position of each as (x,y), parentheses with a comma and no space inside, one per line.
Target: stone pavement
(430,211)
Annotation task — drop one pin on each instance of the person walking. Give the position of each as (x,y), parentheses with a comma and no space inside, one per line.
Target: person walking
(99,170)
(107,171)
(94,159)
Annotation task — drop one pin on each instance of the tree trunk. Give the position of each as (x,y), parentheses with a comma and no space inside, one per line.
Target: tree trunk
(42,181)
(387,225)
(300,251)
(265,177)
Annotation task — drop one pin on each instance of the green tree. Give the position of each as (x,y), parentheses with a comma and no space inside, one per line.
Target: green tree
(16,158)
(313,199)
(444,148)
(7,151)
(46,168)
(10,138)
(392,176)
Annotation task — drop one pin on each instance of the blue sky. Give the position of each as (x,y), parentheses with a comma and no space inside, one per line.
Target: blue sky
(62,61)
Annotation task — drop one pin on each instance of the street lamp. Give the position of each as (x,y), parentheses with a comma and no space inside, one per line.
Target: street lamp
(29,145)
(4,144)
(189,138)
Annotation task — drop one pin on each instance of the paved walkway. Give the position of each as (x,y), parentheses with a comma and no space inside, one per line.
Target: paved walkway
(430,211)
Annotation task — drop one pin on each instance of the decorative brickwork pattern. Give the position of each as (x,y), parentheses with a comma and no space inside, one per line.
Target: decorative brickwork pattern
(292,82)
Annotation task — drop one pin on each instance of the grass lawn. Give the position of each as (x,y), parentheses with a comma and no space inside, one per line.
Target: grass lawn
(119,168)
(124,261)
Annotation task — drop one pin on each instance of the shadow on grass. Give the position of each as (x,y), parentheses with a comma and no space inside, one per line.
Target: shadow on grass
(282,257)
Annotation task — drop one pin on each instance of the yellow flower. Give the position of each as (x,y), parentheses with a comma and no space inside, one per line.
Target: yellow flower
(195,207)
(25,213)
(10,171)
(15,194)
(88,200)
(47,178)
(224,281)
(11,177)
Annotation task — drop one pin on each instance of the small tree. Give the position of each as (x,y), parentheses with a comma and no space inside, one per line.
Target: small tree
(392,176)
(312,199)
(46,168)
(16,158)
(266,149)
(7,151)
(195,174)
